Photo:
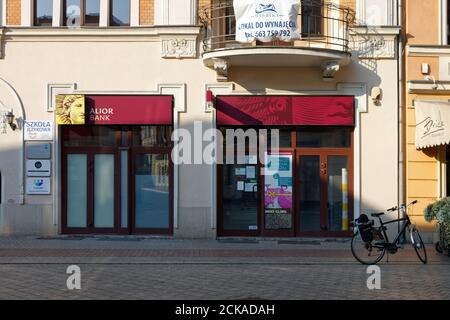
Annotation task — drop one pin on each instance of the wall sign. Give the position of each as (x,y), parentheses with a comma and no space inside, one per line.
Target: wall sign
(38,168)
(432,123)
(266,20)
(38,130)
(115,109)
(38,151)
(38,186)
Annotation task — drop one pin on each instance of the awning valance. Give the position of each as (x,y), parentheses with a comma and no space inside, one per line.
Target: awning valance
(432,123)
(285,110)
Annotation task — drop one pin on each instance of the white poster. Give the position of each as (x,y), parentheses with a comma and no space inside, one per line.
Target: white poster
(40,186)
(38,130)
(266,20)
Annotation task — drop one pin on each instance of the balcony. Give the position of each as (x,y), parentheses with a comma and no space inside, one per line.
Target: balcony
(324,42)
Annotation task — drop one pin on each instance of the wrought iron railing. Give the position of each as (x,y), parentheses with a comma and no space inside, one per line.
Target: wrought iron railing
(321,24)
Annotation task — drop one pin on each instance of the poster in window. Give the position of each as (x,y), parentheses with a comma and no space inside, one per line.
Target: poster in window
(278,197)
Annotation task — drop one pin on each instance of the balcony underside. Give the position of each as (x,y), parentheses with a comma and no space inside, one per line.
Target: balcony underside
(277,57)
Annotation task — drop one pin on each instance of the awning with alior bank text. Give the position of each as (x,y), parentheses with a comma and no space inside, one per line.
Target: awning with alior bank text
(432,123)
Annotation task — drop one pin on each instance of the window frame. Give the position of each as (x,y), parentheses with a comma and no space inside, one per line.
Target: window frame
(110,15)
(308,34)
(35,17)
(82,15)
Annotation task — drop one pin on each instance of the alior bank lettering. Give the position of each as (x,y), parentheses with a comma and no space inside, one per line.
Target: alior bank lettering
(100,114)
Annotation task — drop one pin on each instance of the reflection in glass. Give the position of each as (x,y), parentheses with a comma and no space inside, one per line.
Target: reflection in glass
(92,12)
(324,137)
(43,12)
(152,191)
(310,193)
(72,12)
(89,136)
(240,204)
(336,164)
(104,191)
(152,136)
(124,189)
(120,13)
(76,190)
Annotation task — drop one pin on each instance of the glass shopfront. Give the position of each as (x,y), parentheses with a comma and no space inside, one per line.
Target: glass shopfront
(305,186)
(116,178)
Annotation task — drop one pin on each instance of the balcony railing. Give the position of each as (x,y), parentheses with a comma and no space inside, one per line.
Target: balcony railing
(321,25)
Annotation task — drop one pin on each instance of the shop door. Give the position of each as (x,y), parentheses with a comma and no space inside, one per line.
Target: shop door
(89,191)
(151,196)
(323,197)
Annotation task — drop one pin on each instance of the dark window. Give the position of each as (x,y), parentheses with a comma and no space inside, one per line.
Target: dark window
(92,12)
(120,13)
(81,12)
(311,18)
(43,12)
(324,137)
(152,136)
(90,136)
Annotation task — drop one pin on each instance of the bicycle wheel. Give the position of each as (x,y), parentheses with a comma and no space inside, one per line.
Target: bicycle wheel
(438,247)
(366,252)
(418,244)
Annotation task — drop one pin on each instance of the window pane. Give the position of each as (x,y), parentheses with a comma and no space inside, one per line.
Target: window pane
(104,191)
(72,12)
(90,136)
(152,191)
(310,193)
(337,193)
(124,189)
(76,190)
(324,138)
(92,14)
(152,136)
(311,19)
(43,12)
(120,13)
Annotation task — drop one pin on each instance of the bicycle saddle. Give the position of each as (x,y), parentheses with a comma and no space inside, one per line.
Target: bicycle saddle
(379,214)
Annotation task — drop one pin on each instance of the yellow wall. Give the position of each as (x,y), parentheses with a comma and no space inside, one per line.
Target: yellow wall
(422,23)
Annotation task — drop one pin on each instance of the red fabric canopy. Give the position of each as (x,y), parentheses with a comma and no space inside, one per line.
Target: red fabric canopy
(285,110)
(139,110)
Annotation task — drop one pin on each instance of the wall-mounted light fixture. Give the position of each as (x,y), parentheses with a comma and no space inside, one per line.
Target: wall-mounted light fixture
(431,78)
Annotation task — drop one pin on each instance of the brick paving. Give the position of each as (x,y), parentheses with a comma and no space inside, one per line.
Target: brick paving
(33,268)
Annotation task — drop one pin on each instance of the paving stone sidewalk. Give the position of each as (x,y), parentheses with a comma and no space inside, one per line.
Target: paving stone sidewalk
(149,268)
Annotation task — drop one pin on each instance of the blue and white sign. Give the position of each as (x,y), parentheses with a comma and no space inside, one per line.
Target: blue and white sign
(39,186)
(38,130)
(266,20)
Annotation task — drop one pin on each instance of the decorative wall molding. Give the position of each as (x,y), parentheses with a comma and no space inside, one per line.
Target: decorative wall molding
(179,48)
(374,43)
(53,89)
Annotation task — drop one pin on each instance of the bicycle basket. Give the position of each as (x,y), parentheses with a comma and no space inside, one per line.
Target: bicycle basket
(365,228)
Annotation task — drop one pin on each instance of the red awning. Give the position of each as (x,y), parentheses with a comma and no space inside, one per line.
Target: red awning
(285,110)
(139,110)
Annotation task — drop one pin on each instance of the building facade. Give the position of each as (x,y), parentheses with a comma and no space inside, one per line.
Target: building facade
(427,96)
(141,70)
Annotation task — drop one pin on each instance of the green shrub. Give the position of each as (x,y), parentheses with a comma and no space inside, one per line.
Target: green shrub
(440,211)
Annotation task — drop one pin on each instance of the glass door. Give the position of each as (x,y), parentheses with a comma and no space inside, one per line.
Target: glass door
(152,202)
(323,199)
(89,191)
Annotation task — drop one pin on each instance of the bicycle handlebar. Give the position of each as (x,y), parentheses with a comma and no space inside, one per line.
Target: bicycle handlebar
(402,206)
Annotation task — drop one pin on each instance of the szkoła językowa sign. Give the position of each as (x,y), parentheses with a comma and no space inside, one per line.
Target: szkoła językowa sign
(266,20)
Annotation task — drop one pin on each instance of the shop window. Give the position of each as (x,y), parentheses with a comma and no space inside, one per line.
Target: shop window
(81,12)
(120,13)
(312,18)
(152,136)
(324,137)
(90,136)
(43,12)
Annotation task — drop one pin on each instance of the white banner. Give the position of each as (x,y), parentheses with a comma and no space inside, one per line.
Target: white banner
(432,123)
(266,20)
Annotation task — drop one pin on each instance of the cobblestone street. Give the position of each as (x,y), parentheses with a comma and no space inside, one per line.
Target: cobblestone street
(121,268)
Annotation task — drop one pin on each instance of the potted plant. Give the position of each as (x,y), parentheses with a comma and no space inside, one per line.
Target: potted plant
(440,211)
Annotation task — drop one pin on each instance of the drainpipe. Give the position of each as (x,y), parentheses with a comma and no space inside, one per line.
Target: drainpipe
(401,54)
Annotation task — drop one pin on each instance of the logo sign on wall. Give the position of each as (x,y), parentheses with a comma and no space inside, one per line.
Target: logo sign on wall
(38,168)
(38,130)
(38,186)
(70,109)
(266,20)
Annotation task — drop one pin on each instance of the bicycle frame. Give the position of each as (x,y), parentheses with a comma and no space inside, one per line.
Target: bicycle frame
(401,233)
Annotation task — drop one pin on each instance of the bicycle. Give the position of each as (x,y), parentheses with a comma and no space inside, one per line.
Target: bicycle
(369,243)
